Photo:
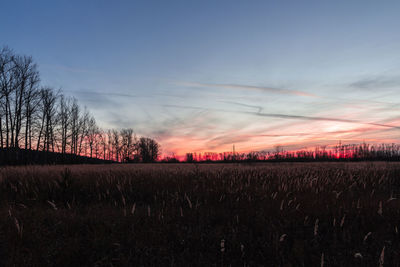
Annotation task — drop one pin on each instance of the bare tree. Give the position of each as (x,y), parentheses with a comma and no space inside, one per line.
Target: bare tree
(26,78)
(110,145)
(148,149)
(74,124)
(128,143)
(31,99)
(64,119)
(91,133)
(45,119)
(48,111)
(189,157)
(7,86)
(116,143)
(83,130)
(103,143)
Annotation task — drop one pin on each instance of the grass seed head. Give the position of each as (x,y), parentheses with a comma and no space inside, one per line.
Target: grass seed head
(52,204)
(133,208)
(282,238)
(222,245)
(316,227)
(382,258)
(358,255)
(367,236)
(322,260)
(380,210)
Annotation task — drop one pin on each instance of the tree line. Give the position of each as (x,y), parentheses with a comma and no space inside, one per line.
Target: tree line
(338,152)
(41,118)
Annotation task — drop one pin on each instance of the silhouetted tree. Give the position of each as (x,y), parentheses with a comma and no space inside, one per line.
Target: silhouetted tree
(8,85)
(189,157)
(64,119)
(48,116)
(91,133)
(148,149)
(128,144)
(116,144)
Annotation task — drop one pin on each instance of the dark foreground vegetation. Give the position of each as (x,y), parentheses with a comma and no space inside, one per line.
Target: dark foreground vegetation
(286,214)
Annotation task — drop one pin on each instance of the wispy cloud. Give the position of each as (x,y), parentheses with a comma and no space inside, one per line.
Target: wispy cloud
(377,82)
(120,94)
(92,93)
(209,129)
(288,116)
(249,87)
(258,108)
(301,117)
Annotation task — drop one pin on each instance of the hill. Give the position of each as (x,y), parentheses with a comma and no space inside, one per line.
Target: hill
(17,156)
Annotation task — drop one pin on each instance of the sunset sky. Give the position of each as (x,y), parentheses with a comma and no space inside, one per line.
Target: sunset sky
(203,75)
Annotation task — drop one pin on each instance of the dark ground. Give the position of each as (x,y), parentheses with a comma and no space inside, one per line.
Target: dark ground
(17,156)
(282,214)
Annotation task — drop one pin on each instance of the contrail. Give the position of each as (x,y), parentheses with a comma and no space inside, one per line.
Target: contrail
(259,108)
(301,117)
(250,87)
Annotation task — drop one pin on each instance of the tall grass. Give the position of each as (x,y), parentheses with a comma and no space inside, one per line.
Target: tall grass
(286,214)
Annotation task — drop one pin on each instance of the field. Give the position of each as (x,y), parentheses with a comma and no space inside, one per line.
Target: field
(283,214)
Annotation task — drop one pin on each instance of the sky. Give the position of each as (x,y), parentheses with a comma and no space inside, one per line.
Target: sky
(201,76)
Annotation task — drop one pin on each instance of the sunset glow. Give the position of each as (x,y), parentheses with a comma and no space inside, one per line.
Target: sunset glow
(202,78)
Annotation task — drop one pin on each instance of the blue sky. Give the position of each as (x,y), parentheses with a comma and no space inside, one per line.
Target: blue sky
(202,75)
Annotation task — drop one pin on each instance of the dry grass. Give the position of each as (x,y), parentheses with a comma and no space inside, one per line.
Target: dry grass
(304,214)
